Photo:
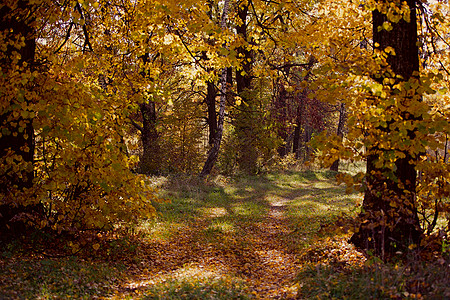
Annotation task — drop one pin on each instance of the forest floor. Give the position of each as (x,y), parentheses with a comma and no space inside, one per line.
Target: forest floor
(276,236)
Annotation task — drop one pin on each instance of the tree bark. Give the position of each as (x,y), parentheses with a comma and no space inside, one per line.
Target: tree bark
(211,94)
(150,158)
(389,219)
(340,133)
(16,127)
(245,120)
(213,152)
(298,128)
(281,112)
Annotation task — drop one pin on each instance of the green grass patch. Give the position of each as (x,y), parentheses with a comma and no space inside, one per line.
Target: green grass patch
(376,281)
(29,278)
(198,287)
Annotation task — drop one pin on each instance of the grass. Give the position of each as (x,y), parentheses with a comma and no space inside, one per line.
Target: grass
(38,278)
(198,286)
(277,235)
(375,281)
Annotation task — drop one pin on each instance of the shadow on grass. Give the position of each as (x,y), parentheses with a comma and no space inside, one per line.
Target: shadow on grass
(33,278)
(334,280)
(220,238)
(308,199)
(208,224)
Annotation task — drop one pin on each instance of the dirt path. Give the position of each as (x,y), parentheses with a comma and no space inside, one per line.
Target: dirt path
(275,269)
(260,258)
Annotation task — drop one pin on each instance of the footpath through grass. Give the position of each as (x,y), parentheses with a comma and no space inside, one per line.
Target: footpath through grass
(275,236)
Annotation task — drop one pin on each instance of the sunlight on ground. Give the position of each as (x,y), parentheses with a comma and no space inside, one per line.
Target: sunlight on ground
(323,185)
(221,226)
(247,209)
(189,273)
(192,281)
(312,206)
(158,181)
(276,200)
(250,238)
(213,212)
(160,231)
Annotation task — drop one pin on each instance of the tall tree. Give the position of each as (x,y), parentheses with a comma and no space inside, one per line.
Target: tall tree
(245,119)
(214,150)
(339,133)
(390,221)
(17,127)
(16,117)
(150,159)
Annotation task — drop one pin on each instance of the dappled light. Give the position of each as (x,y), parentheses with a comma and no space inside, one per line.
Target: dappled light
(224,149)
(225,244)
(285,241)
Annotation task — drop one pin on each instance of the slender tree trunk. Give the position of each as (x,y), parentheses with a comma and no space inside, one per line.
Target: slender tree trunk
(390,221)
(212,115)
(340,133)
(301,109)
(213,152)
(280,107)
(298,128)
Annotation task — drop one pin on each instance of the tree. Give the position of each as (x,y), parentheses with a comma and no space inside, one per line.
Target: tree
(17,63)
(245,119)
(390,215)
(214,150)
(395,99)
(65,153)
(339,133)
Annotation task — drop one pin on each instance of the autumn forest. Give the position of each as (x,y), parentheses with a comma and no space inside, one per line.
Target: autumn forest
(224,149)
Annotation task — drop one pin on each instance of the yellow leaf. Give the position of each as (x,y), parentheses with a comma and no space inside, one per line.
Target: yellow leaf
(389,50)
(96,246)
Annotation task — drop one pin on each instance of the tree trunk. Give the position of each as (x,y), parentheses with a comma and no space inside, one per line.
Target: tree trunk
(301,118)
(17,132)
(390,221)
(280,108)
(150,158)
(340,133)
(245,120)
(298,128)
(213,152)
(212,115)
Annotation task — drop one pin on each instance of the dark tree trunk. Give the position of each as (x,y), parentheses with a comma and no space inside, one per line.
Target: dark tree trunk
(17,132)
(281,111)
(301,117)
(211,94)
(230,77)
(17,139)
(213,152)
(340,133)
(245,120)
(390,221)
(298,129)
(150,159)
